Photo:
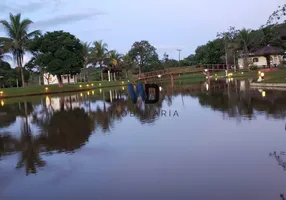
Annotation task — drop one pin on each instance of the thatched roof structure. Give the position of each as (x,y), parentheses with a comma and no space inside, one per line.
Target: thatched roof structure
(269,50)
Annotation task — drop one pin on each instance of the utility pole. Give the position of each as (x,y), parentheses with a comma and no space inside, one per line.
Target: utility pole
(179,50)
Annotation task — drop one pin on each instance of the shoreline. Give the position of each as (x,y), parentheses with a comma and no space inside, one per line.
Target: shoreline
(58,92)
(268,85)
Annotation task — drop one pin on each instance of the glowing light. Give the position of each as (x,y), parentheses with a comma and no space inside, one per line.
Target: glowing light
(231,79)
(46,89)
(123,88)
(128,81)
(87,85)
(206,70)
(262,74)
(80,86)
(215,74)
(88,93)
(1,92)
(241,72)
(99,84)
(159,76)
(92,92)
(216,79)
(207,86)
(2,103)
(122,82)
(160,88)
(100,90)
(263,93)
(81,94)
(92,84)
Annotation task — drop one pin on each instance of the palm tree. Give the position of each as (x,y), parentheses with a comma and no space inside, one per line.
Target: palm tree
(3,52)
(245,40)
(126,64)
(87,56)
(18,37)
(114,59)
(100,53)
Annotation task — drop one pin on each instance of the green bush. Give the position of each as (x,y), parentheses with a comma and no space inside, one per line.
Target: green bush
(281,66)
(253,67)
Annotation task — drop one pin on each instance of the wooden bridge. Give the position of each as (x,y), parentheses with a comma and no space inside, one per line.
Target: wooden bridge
(184,70)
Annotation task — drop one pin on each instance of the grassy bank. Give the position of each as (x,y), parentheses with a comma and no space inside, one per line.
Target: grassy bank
(278,76)
(53,89)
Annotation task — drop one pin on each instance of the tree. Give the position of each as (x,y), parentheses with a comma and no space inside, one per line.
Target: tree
(126,63)
(228,39)
(245,39)
(100,53)
(114,59)
(87,56)
(277,15)
(165,57)
(18,37)
(61,53)
(142,52)
(211,53)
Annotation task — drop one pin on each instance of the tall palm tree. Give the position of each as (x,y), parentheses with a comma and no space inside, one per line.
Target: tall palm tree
(100,53)
(18,37)
(114,59)
(3,53)
(87,53)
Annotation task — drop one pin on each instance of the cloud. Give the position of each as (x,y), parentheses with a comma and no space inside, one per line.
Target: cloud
(65,19)
(31,6)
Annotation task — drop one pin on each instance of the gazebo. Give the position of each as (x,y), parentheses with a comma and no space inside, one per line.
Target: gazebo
(269,52)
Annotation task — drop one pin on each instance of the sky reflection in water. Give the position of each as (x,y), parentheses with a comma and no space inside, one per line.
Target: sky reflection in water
(226,142)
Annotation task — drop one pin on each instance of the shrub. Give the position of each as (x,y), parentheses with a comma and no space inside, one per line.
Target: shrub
(253,67)
(281,66)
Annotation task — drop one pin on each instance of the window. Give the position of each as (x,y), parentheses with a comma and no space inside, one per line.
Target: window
(71,76)
(255,60)
(284,57)
(65,77)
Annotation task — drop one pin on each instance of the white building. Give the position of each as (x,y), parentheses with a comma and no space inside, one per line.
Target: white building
(69,102)
(266,57)
(49,79)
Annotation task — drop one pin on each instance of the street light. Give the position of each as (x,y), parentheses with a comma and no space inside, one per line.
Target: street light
(179,50)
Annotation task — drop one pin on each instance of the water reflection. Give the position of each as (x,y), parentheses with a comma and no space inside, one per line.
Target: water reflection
(56,124)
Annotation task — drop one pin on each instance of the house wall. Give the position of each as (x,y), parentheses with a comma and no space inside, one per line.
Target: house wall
(261,61)
(51,80)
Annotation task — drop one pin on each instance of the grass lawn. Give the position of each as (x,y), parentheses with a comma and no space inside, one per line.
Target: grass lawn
(278,76)
(42,90)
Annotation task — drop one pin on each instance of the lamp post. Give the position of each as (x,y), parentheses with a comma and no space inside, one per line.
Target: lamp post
(179,50)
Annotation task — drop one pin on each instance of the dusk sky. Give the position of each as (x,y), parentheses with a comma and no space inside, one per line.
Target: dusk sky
(167,25)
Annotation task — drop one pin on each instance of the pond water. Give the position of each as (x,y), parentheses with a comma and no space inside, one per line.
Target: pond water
(221,141)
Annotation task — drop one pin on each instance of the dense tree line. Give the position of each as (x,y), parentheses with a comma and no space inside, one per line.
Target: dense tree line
(233,43)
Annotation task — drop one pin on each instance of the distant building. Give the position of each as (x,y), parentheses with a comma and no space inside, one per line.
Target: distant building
(67,102)
(266,57)
(49,79)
